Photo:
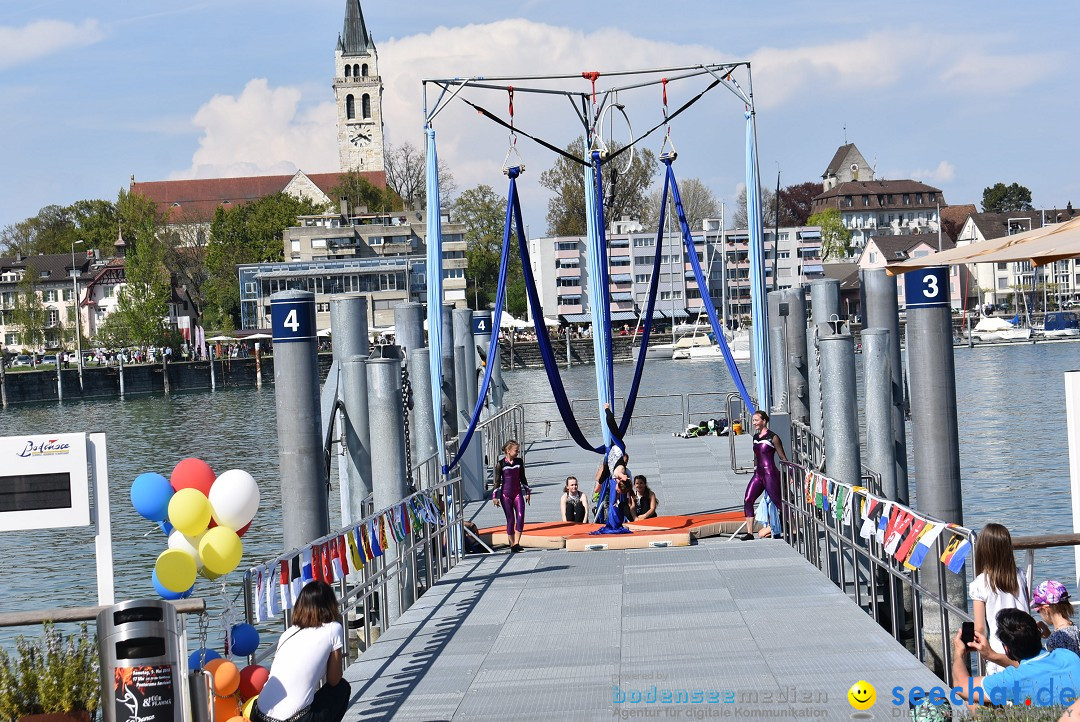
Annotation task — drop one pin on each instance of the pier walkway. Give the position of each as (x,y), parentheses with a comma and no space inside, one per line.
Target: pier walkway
(718,629)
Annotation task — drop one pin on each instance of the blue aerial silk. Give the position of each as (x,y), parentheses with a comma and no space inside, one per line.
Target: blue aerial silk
(600,307)
(435,288)
(706,298)
(758,315)
(500,295)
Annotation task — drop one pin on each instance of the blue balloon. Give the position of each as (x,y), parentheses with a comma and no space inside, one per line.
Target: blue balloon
(166,527)
(168,594)
(150,495)
(200,657)
(245,640)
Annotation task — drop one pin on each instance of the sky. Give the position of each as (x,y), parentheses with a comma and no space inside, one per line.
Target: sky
(960,95)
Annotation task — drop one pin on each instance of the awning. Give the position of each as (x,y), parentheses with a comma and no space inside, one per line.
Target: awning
(587,317)
(810,234)
(1039,247)
(623,316)
(622,296)
(690,275)
(621,278)
(813,268)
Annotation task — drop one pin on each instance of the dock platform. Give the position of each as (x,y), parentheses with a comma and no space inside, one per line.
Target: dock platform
(716,629)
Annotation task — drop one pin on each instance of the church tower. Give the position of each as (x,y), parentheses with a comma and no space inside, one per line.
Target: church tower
(358,92)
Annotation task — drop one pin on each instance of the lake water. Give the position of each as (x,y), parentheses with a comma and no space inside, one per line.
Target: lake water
(1013,454)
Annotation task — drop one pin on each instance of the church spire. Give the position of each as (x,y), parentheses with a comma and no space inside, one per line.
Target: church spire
(355,38)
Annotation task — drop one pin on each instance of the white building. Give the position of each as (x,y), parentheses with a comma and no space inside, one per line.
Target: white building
(997,283)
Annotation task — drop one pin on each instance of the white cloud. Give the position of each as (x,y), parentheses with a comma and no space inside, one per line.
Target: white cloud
(944,173)
(263,131)
(45,37)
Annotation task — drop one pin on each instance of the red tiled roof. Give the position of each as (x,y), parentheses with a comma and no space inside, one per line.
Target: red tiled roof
(192,201)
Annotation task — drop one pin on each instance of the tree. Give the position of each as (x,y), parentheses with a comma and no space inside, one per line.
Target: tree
(624,193)
(835,238)
(768,209)
(363,194)
(698,200)
(483,212)
(249,233)
(796,203)
(406,174)
(55,228)
(143,303)
(1000,198)
(30,315)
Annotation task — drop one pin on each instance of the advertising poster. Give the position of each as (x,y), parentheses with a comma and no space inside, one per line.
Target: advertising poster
(144,694)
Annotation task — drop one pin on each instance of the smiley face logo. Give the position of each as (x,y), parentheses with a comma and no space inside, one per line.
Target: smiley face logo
(862,695)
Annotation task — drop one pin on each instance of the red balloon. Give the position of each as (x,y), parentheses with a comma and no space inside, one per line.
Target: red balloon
(252,680)
(192,474)
(239,532)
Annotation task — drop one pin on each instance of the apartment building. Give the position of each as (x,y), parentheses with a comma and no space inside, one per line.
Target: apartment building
(382,255)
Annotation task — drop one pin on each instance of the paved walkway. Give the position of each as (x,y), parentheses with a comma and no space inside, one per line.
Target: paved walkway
(561,635)
(580,635)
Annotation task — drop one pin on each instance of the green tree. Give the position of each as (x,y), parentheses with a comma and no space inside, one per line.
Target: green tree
(250,233)
(30,314)
(1000,198)
(835,238)
(54,228)
(362,193)
(624,193)
(143,303)
(483,212)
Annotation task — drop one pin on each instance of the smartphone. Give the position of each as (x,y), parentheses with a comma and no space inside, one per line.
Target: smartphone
(967,632)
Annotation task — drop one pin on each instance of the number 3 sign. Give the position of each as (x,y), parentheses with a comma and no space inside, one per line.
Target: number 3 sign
(927,288)
(293,318)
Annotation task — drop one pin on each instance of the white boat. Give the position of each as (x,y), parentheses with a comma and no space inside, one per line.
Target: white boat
(993,328)
(702,347)
(662,350)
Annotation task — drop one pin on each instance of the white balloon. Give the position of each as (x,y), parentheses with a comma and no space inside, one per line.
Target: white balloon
(178,540)
(234,497)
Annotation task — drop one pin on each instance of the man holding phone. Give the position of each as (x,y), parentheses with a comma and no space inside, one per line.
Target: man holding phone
(1040,676)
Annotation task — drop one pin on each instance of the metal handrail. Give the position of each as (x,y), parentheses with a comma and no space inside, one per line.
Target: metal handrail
(737,411)
(824,541)
(84,614)
(807,448)
(497,430)
(427,553)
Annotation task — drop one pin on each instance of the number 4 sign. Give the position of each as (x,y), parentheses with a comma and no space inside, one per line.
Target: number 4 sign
(293,318)
(927,288)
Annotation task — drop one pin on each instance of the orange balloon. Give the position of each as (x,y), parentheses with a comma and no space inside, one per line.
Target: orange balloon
(226,678)
(213,664)
(237,719)
(225,708)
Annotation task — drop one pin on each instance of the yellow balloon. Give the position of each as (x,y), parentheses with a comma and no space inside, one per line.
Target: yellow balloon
(207,574)
(220,550)
(175,570)
(189,512)
(249,706)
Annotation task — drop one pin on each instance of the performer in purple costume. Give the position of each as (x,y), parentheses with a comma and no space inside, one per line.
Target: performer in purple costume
(512,492)
(766,473)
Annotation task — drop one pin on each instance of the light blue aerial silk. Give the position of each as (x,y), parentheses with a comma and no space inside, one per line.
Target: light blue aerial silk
(596,263)
(435,289)
(758,289)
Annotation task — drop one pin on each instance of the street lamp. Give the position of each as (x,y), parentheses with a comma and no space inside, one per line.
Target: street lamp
(75,299)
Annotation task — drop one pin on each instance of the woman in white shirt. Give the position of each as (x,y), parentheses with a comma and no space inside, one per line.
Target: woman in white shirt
(308,652)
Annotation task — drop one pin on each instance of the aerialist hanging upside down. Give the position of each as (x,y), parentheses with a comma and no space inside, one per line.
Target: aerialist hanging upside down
(613,471)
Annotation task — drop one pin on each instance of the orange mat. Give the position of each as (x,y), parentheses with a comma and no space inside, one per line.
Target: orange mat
(658,531)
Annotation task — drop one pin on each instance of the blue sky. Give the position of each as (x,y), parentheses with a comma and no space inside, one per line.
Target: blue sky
(960,95)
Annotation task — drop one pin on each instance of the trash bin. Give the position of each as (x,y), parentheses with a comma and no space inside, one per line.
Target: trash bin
(142,665)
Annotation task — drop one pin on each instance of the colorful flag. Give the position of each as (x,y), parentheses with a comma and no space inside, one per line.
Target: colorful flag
(923,546)
(384,540)
(365,543)
(307,565)
(296,579)
(867,529)
(406,525)
(316,563)
(327,557)
(260,595)
(273,593)
(808,486)
(374,540)
(337,566)
(849,499)
(899,526)
(838,502)
(958,555)
(904,550)
(354,552)
(886,519)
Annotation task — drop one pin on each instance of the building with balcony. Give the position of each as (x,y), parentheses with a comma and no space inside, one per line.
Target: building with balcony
(382,255)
